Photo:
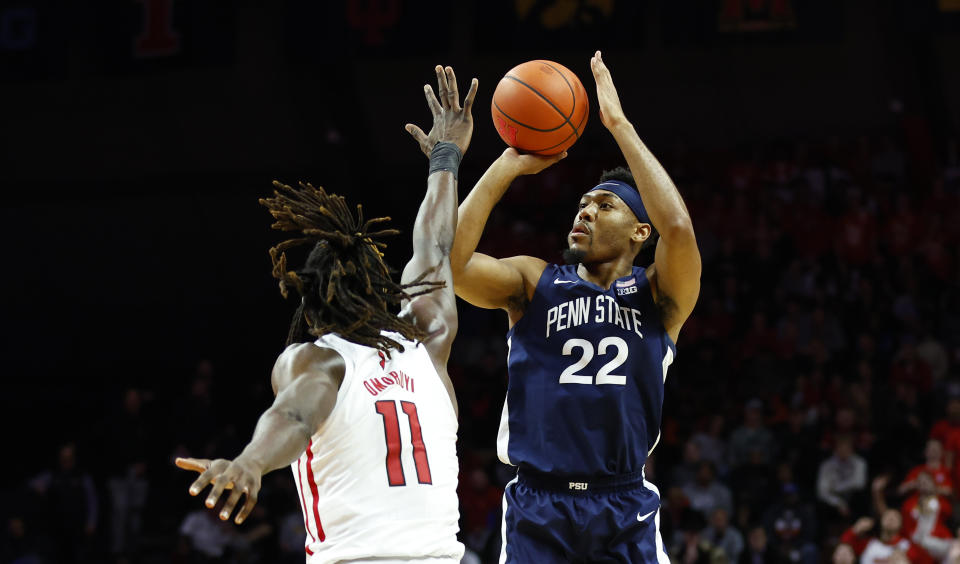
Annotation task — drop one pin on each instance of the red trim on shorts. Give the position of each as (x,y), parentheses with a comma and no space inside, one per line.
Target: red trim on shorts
(313,491)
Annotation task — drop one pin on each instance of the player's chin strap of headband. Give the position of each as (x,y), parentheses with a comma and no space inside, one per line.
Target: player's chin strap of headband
(628,194)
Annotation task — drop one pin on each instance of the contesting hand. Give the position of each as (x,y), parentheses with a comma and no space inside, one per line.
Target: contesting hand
(240,476)
(451,122)
(611,113)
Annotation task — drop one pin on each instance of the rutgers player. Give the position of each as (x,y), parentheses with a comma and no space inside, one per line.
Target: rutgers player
(364,413)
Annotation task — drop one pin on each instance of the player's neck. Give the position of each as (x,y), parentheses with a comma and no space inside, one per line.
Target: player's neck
(603,274)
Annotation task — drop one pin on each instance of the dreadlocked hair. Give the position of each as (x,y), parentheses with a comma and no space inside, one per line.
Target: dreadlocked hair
(344,286)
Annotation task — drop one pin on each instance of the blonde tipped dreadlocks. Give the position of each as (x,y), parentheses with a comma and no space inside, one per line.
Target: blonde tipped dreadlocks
(345,287)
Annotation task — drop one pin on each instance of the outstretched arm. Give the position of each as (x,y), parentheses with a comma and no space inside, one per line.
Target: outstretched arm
(677,259)
(434,228)
(478,278)
(306,379)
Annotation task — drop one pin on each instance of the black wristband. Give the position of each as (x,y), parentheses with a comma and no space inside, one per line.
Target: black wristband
(445,156)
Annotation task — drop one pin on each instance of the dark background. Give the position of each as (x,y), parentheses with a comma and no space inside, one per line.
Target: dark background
(136,137)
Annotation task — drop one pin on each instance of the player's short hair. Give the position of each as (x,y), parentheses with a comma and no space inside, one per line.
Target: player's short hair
(344,285)
(623,174)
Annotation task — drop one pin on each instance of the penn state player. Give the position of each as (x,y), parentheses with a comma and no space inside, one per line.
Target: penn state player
(589,346)
(365,413)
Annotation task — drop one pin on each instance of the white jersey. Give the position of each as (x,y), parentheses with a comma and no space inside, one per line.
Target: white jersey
(379,478)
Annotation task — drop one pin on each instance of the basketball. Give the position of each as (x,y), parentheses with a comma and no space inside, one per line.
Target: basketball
(540,107)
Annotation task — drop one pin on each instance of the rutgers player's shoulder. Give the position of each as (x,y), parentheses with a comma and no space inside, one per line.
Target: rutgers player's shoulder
(304,360)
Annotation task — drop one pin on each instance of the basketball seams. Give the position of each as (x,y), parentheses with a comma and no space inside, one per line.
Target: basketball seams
(529,81)
(566,119)
(530,127)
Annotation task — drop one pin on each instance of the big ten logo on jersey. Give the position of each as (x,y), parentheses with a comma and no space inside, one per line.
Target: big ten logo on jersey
(626,287)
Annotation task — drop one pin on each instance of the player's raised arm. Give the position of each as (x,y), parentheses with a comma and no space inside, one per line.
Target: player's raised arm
(435,225)
(480,279)
(305,380)
(677,260)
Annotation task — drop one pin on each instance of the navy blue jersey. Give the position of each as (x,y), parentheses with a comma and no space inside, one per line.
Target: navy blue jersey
(587,368)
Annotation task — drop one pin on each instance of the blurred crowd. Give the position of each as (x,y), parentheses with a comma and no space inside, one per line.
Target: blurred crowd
(812,414)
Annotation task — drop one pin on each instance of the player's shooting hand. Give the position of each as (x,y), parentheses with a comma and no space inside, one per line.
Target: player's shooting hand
(452,122)
(239,476)
(518,164)
(611,113)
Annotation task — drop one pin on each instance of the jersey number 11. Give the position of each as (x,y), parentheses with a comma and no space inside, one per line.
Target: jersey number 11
(391,430)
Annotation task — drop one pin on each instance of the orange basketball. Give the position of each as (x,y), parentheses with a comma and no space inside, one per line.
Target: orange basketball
(540,107)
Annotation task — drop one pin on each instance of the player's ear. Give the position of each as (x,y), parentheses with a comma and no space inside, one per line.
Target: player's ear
(641,232)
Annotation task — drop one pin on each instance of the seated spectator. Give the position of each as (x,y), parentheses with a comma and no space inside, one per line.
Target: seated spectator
(758,551)
(722,535)
(933,466)
(752,435)
(751,484)
(947,431)
(688,545)
(791,525)
(842,478)
(798,443)
(712,444)
(883,547)
(844,554)
(685,472)
(706,493)
(943,428)
(480,503)
(210,538)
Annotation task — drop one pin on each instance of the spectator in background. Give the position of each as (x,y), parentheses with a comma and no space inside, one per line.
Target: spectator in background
(706,494)
(934,467)
(842,479)
(752,435)
(758,551)
(722,535)
(881,548)
(791,526)
(712,443)
(211,539)
(909,369)
(480,502)
(70,507)
(947,431)
(924,515)
(950,424)
(128,486)
(798,443)
(689,546)
(685,472)
(844,554)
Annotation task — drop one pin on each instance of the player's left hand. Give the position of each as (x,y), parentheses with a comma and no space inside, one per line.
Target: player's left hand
(611,113)
(451,121)
(237,475)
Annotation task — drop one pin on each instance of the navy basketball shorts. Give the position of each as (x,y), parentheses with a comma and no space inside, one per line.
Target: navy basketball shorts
(546,520)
